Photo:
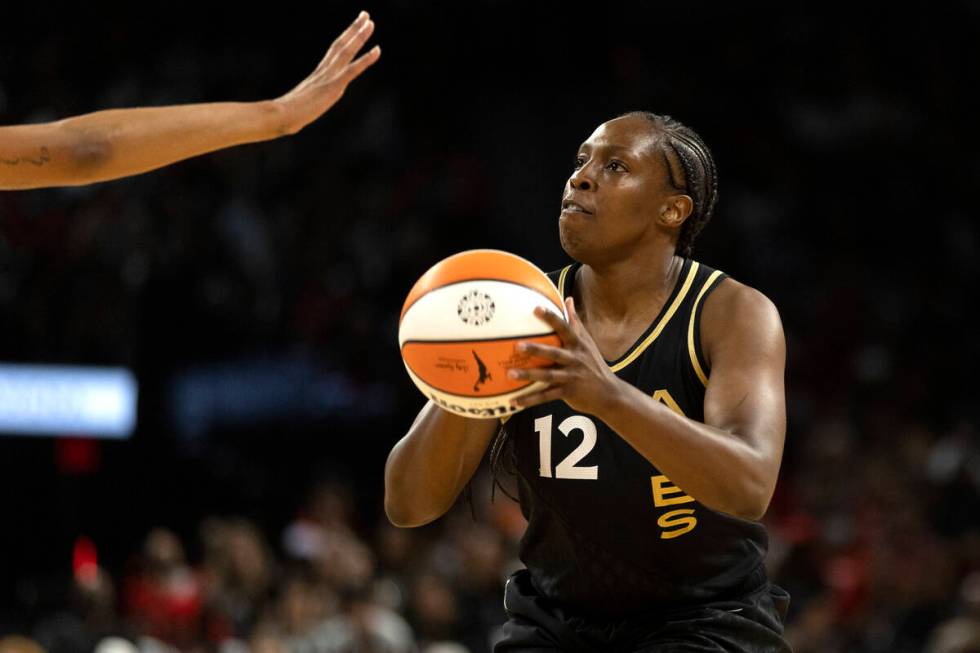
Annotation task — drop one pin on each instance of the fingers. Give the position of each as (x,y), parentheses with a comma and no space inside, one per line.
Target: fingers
(535,398)
(347,34)
(557,323)
(361,64)
(557,354)
(549,375)
(350,47)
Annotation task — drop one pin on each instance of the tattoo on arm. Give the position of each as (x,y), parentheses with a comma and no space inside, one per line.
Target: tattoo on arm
(45,157)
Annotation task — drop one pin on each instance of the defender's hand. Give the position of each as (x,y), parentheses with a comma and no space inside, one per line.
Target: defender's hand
(325,85)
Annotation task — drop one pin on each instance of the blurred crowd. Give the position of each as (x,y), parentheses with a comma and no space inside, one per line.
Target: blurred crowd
(846,179)
(887,560)
(322,587)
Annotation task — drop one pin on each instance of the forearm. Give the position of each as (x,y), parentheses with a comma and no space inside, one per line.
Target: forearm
(716,467)
(427,469)
(120,142)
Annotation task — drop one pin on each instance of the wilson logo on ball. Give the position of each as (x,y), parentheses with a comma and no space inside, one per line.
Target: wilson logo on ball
(475,308)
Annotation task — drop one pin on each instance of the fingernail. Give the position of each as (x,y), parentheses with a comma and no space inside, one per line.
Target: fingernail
(514,374)
(522,346)
(362,15)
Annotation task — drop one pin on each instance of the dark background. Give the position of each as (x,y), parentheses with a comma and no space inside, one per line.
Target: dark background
(255,292)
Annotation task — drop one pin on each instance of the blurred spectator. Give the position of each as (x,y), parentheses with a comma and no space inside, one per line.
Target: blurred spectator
(163,596)
(91,617)
(238,575)
(18,644)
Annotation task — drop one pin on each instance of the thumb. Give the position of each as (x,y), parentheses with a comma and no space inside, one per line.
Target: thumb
(570,309)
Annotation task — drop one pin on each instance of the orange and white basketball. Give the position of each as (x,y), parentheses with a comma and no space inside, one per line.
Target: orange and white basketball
(460,326)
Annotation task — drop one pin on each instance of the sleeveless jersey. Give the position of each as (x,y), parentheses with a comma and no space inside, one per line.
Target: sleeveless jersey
(608,534)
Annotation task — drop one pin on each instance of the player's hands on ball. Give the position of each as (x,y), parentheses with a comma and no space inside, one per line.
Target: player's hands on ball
(580,377)
(325,85)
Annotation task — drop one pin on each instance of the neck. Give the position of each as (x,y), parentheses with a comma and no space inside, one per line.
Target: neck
(612,291)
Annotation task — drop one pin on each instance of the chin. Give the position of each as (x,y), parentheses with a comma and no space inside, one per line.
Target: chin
(571,242)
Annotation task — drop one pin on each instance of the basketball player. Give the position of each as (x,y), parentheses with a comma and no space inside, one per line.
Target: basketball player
(121,142)
(644,466)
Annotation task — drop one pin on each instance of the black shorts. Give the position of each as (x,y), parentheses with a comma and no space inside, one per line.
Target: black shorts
(752,622)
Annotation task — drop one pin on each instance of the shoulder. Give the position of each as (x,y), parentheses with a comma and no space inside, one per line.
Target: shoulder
(737,315)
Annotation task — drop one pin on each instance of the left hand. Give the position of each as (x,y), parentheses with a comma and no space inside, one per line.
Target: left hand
(325,85)
(580,377)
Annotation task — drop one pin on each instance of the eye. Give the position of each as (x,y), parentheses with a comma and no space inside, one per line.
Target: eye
(579,161)
(616,166)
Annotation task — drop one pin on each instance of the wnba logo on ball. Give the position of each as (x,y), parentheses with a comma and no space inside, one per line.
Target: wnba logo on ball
(475,308)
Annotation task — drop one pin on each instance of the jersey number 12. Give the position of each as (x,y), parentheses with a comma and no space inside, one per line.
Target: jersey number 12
(567,468)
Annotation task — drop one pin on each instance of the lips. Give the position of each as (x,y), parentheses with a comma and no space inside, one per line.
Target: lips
(571,206)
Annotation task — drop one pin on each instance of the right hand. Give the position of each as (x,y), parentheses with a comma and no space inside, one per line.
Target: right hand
(314,95)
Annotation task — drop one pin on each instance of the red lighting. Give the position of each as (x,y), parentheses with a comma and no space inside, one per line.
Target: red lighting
(84,561)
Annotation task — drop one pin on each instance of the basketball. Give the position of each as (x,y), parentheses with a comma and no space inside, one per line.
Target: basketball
(460,326)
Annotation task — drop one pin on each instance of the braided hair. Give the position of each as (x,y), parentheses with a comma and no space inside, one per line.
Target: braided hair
(690,169)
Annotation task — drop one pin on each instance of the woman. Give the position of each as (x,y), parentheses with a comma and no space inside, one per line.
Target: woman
(668,395)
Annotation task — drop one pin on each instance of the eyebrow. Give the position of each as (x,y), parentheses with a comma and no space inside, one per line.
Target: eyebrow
(611,147)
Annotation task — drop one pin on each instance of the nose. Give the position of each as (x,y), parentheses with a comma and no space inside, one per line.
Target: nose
(580,184)
(581,180)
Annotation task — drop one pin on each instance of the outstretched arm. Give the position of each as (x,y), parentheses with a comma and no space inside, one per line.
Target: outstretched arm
(120,142)
(731,461)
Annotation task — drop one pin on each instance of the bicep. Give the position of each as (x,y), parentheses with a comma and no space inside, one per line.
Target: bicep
(746,391)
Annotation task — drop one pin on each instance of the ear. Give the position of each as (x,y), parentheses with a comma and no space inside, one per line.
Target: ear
(675,210)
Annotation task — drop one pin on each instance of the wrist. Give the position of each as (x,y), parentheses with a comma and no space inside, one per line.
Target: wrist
(276,118)
(610,399)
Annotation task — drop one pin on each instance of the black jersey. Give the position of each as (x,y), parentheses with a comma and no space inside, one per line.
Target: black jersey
(608,534)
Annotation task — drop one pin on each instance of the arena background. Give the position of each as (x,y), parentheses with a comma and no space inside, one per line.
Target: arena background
(255,292)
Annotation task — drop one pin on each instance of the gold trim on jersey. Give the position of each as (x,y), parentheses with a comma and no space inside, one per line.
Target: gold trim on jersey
(690,329)
(640,348)
(561,280)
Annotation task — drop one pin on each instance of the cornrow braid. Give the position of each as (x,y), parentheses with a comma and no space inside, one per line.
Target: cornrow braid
(691,169)
(502,462)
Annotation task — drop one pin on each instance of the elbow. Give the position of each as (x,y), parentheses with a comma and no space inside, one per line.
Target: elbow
(89,150)
(405,507)
(403,516)
(397,514)
(754,513)
(756,498)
